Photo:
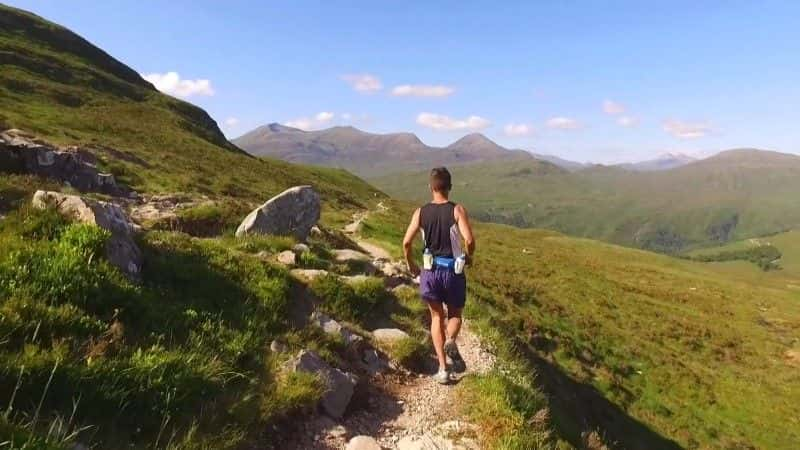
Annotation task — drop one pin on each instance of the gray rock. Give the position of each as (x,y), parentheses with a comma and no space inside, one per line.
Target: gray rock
(287,258)
(363,443)
(333,327)
(22,153)
(340,384)
(307,274)
(300,248)
(389,335)
(346,255)
(292,212)
(121,249)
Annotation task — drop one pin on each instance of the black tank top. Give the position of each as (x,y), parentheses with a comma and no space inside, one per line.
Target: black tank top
(439,229)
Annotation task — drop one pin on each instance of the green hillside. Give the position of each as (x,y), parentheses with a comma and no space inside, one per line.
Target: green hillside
(60,87)
(654,351)
(734,195)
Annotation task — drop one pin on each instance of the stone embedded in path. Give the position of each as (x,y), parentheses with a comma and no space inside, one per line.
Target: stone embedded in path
(363,443)
(287,258)
(293,212)
(121,250)
(389,335)
(340,384)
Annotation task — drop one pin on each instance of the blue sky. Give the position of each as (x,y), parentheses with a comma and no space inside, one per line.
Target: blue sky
(598,81)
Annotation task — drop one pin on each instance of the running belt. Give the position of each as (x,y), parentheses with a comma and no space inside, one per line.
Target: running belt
(445,263)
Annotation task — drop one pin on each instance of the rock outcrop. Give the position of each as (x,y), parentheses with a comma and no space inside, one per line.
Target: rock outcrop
(121,249)
(292,212)
(340,384)
(22,153)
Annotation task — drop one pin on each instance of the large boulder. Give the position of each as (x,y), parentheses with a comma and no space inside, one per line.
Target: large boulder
(22,153)
(121,249)
(292,212)
(340,385)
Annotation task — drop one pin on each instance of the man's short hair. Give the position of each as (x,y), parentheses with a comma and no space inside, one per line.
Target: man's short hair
(440,180)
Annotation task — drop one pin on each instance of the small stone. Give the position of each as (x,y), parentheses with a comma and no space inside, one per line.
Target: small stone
(301,248)
(340,384)
(363,443)
(308,274)
(287,258)
(338,431)
(389,335)
(347,255)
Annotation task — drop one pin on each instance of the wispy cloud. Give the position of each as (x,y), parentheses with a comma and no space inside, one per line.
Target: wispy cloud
(172,84)
(686,130)
(364,83)
(627,121)
(517,129)
(320,120)
(562,123)
(422,90)
(231,122)
(613,108)
(441,122)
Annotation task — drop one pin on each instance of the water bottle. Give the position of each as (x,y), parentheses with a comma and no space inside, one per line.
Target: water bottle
(461,261)
(427,259)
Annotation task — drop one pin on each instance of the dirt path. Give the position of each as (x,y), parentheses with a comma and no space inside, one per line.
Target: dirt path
(405,411)
(399,409)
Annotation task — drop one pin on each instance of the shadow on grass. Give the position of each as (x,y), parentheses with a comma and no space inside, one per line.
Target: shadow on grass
(578,407)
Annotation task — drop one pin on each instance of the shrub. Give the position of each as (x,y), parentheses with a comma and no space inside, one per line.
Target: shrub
(349,302)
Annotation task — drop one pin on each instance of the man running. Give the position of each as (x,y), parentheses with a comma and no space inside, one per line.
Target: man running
(444,226)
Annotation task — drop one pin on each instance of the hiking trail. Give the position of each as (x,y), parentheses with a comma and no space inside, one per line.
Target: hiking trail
(399,409)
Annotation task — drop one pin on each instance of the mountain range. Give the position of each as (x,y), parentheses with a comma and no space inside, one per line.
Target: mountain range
(370,154)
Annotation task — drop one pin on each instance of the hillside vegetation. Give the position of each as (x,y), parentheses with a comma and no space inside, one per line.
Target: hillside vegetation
(654,351)
(734,195)
(58,86)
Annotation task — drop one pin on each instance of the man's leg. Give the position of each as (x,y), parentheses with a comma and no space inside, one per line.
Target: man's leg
(453,322)
(438,331)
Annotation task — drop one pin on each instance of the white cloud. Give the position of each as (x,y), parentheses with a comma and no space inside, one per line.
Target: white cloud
(627,121)
(231,122)
(686,130)
(364,82)
(612,108)
(517,129)
(172,84)
(319,120)
(562,123)
(440,122)
(422,90)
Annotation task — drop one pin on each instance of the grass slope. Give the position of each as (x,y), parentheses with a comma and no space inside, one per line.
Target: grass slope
(60,87)
(655,351)
(735,195)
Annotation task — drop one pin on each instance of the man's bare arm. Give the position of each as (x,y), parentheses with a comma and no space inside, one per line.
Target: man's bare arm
(408,243)
(464,227)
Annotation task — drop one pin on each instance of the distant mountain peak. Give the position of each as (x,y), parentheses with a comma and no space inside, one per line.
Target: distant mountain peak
(280,128)
(473,139)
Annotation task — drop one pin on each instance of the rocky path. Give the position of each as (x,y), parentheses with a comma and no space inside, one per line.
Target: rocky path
(399,409)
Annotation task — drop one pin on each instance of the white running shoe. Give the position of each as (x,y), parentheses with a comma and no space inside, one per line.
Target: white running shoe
(442,376)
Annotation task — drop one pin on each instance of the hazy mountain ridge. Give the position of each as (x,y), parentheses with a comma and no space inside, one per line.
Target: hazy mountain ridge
(665,161)
(369,154)
(733,195)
